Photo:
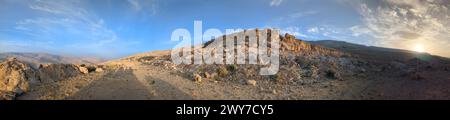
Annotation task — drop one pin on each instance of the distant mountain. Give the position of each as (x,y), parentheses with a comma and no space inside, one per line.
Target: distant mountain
(35,59)
(373,53)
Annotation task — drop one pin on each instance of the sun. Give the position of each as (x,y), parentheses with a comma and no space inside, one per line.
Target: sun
(419,48)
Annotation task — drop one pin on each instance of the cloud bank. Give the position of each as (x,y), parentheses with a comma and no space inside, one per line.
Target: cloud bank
(403,24)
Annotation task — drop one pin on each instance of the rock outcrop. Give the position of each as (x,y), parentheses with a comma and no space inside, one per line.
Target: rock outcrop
(290,43)
(15,78)
(55,72)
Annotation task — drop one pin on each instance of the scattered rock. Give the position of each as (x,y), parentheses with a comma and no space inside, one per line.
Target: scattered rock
(197,78)
(207,75)
(251,82)
(7,96)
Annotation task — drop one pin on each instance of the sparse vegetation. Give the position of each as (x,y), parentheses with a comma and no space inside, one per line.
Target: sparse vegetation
(222,71)
(233,67)
(333,74)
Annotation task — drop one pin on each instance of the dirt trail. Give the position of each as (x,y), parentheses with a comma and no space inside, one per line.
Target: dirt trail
(134,84)
(146,82)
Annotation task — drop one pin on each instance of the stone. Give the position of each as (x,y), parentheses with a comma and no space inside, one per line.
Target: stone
(98,70)
(197,78)
(289,37)
(56,72)
(15,78)
(207,75)
(7,96)
(83,70)
(251,82)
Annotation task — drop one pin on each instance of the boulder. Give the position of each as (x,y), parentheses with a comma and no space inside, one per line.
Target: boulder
(207,75)
(197,78)
(7,95)
(15,78)
(289,37)
(98,70)
(251,82)
(83,70)
(56,72)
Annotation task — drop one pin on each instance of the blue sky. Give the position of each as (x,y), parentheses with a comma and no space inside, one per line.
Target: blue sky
(117,28)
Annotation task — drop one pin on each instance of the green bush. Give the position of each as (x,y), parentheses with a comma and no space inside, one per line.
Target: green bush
(233,67)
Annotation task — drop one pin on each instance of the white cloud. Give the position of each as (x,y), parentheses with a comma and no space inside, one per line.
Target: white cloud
(400,24)
(293,31)
(324,30)
(290,18)
(68,16)
(275,2)
(66,26)
(136,5)
(302,14)
(313,30)
(358,30)
(144,6)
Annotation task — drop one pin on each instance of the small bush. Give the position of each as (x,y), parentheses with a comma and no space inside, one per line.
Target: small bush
(333,74)
(233,67)
(222,71)
(146,58)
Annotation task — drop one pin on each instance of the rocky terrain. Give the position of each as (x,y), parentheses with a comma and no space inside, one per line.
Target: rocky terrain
(308,70)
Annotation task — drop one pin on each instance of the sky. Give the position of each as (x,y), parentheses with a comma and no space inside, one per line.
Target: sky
(117,28)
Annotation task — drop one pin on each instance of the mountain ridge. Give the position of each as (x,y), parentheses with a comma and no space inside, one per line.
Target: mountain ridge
(35,59)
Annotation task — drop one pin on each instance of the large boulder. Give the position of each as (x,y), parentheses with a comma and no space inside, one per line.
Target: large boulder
(56,72)
(15,78)
(83,70)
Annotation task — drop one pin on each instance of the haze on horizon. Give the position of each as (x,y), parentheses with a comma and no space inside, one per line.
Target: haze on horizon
(116,28)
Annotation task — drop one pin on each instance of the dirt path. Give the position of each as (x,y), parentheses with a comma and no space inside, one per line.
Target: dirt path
(146,82)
